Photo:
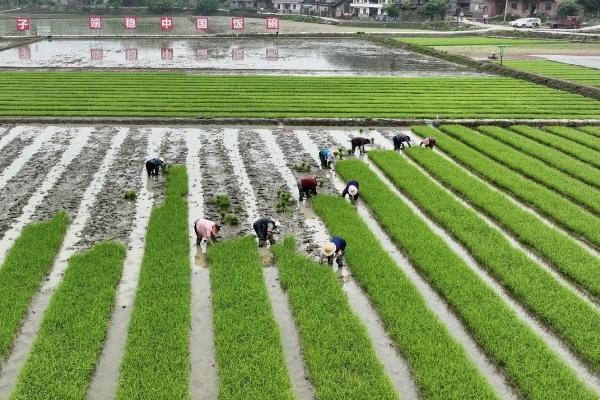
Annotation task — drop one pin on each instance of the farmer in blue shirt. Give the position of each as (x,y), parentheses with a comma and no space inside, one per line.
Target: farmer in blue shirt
(153,166)
(327,157)
(334,249)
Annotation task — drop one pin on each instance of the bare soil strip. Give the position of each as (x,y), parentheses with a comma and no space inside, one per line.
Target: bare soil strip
(57,171)
(13,146)
(104,382)
(203,365)
(40,302)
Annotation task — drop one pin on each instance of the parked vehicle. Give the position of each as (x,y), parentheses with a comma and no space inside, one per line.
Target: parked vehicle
(526,23)
(571,22)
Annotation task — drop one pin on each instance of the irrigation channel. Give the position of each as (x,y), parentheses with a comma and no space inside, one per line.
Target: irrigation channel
(88,171)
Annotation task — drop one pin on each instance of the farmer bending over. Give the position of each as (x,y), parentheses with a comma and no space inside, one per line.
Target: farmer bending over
(327,157)
(428,142)
(206,231)
(360,143)
(307,186)
(153,166)
(265,228)
(399,141)
(351,190)
(334,249)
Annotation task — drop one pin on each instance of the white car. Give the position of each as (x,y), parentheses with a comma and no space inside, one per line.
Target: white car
(526,23)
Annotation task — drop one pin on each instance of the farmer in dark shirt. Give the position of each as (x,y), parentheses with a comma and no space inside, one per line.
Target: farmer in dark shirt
(334,249)
(399,141)
(265,228)
(360,143)
(154,165)
(351,190)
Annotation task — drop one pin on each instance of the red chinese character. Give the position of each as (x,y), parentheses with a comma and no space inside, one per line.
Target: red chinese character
(272,54)
(95,22)
(130,22)
(166,53)
(237,23)
(237,53)
(201,23)
(24,53)
(201,54)
(166,23)
(131,54)
(96,54)
(22,24)
(273,23)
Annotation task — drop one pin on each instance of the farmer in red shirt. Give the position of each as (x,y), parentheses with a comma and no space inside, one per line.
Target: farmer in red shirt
(307,186)
(428,142)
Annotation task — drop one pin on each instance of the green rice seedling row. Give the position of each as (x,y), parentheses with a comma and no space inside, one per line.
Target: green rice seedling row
(592,130)
(70,340)
(23,271)
(418,334)
(579,192)
(572,166)
(156,361)
(559,307)
(563,252)
(472,41)
(547,202)
(250,358)
(333,339)
(504,337)
(567,72)
(583,136)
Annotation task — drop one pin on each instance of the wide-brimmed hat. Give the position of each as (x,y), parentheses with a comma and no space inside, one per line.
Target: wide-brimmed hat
(353,190)
(328,249)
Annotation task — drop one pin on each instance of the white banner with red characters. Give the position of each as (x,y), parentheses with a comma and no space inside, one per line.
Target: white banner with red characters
(237,54)
(95,22)
(273,23)
(131,54)
(166,53)
(201,23)
(23,24)
(130,22)
(96,54)
(237,23)
(166,23)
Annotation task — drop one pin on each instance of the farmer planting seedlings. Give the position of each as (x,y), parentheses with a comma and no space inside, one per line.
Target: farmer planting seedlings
(351,190)
(333,250)
(206,231)
(307,186)
(265,229)
(428,142)
(400,140)
(359,142)
(327,157)
(154,165)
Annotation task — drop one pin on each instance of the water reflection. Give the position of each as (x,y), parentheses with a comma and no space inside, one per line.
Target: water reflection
(166,53)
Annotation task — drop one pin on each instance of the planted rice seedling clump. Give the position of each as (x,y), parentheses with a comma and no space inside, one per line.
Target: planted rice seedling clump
(336,346)
(156,360)
(508,340)
(69,342)
(302,167)
(249,355)
(130,195)
(222,202)
(285,201)
(27,262)
(416,331)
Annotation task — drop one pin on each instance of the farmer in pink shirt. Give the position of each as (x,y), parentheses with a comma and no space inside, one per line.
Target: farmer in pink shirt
(206,230)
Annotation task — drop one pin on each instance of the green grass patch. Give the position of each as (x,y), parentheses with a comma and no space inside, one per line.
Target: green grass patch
(27,262)
(567,72)
(336,346)
(175,95)
(557,306)
(544,200)
(569,165)
(529,364)
(156,360)
(420,337)
(529,167)
(64,355)
(250,358)
(471,41)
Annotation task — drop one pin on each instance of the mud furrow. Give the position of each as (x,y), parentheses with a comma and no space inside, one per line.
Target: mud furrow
(112,214)
(216,170)
(68,191)
(12,149)
(16,192)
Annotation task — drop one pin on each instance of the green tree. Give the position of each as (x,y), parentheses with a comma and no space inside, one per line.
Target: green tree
(114,3)
(392,10)
(207,7)
(592,6)
(434,8)
(158,6)
(568,7)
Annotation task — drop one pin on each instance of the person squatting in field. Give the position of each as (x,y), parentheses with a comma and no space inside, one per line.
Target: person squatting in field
(333,250)
(428,142)
(206,231)
(265,229)
(154,165)
(360,143)
(327,157)
(351,190)
(399,141)
(307,186)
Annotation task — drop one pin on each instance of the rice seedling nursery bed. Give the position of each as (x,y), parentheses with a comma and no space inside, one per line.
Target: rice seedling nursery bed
(567,72)
(525,315)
